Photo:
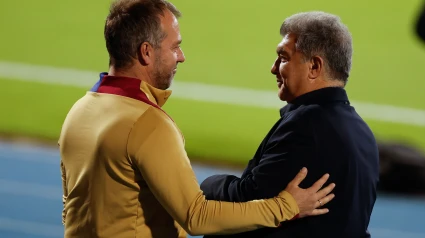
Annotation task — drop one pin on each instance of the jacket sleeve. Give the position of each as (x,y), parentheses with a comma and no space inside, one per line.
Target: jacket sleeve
(285,153)
(156,148)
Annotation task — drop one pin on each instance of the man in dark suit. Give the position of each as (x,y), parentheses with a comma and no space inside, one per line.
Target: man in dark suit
(318,129)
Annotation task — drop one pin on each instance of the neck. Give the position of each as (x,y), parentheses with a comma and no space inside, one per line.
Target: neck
(133,71)
(324,82)
(316,85)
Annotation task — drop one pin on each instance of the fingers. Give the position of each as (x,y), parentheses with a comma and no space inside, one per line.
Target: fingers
(299,177)
(322,201)
(319,183)
(326,190)
(317,212)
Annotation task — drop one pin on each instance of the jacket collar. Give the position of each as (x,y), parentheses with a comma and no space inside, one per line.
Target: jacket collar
(320,96)
(132,88)
(155,95)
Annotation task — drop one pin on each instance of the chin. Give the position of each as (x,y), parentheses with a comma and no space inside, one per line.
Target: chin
(165,84)
(281,95)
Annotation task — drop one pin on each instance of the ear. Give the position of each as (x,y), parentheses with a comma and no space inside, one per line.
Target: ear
(146,53)
(316,67)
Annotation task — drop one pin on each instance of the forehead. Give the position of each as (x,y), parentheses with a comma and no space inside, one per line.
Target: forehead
(287,43)
(170,23)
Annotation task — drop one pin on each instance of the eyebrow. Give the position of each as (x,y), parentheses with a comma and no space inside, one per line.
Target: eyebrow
(281,51)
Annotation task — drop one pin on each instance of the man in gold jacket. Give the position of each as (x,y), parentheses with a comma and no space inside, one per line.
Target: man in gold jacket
(125,171)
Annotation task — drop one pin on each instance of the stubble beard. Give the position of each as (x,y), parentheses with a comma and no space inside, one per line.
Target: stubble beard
(162,77)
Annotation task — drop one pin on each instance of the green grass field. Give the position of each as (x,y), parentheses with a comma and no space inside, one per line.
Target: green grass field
(229,43)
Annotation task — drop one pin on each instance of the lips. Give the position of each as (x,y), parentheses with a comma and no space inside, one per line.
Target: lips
(279,83)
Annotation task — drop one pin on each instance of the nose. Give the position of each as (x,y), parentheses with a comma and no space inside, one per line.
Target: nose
(180,56)
(275,66)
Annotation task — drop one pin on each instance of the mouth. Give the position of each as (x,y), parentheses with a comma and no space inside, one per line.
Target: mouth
(279,83)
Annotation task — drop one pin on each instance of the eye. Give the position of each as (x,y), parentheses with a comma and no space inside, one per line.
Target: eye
(283,59)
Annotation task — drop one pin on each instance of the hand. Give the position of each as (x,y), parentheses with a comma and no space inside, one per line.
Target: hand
(310,199)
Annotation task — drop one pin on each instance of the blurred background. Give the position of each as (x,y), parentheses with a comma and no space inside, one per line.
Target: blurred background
(224,98)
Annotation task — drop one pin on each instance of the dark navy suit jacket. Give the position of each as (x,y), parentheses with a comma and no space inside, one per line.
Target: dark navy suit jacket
(321,131)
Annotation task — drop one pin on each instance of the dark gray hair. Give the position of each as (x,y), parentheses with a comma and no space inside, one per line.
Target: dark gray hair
(322,34)
(132,22)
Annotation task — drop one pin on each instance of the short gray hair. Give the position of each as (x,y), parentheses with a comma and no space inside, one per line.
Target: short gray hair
(322,34)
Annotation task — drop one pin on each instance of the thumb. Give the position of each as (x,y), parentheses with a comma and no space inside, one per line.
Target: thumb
(299,177)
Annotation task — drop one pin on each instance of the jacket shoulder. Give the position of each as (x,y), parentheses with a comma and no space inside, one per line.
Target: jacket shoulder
(303,113)
(152,123)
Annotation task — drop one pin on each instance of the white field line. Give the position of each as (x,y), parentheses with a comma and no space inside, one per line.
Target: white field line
(204,92)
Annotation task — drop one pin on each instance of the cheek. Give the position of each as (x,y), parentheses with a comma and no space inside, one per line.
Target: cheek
(167,61)
(284,70)
(172,59)
(281,69)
